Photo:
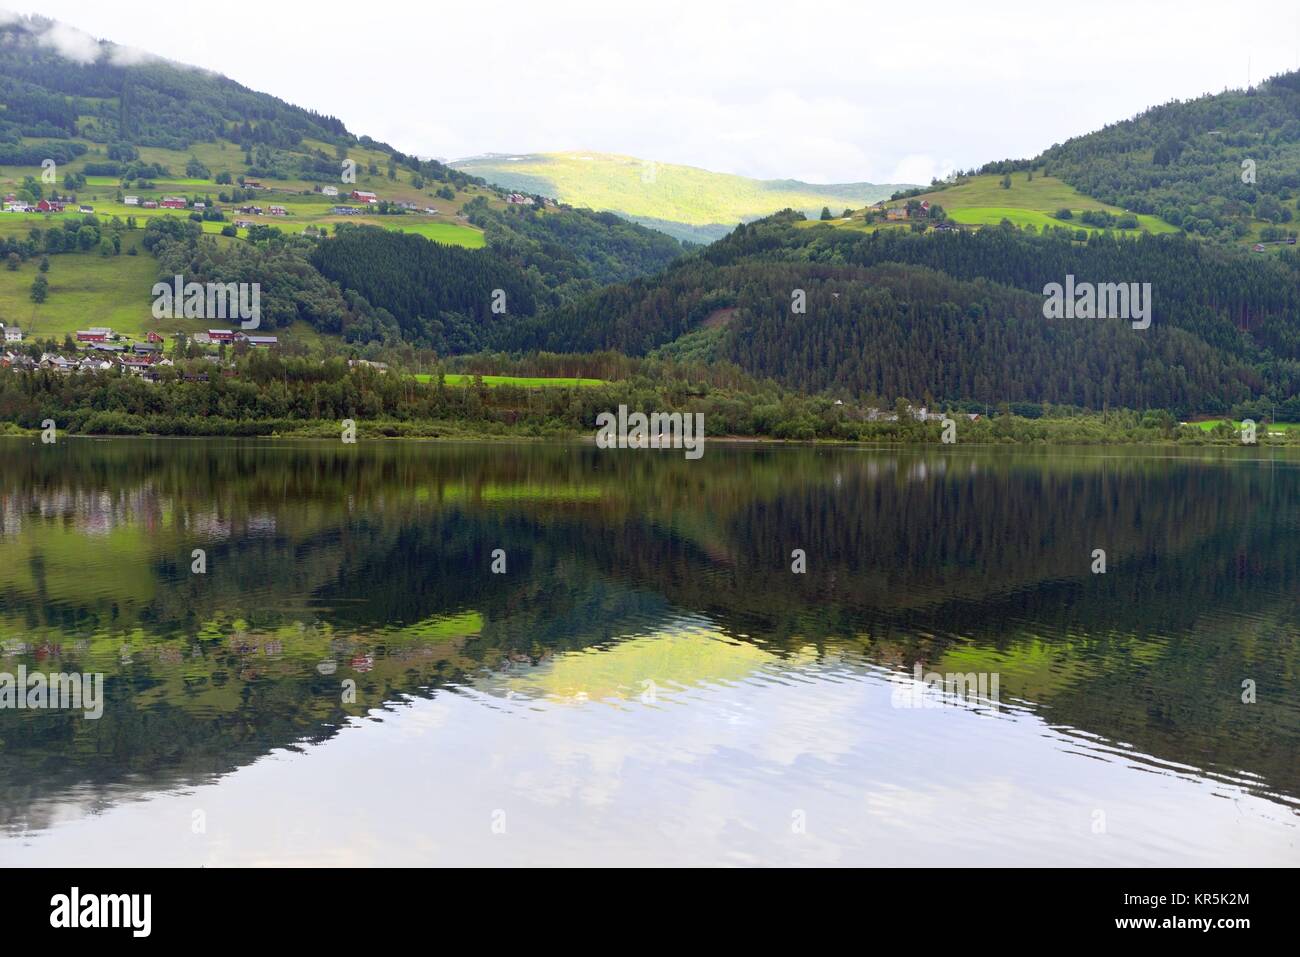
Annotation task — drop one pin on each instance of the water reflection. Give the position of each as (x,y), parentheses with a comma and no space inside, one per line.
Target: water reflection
(649,602)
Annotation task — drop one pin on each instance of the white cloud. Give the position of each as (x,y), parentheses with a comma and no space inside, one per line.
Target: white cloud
(71,43)
(130,56)
(826,90)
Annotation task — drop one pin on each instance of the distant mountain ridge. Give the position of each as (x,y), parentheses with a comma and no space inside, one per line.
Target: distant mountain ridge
(684,201)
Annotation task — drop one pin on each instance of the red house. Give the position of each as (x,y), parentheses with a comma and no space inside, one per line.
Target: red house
(172,202)
(221,335)
(93,335)
(362,196)
(154,337)
(49,206)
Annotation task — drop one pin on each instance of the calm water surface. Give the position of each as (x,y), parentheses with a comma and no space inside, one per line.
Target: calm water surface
(649,682)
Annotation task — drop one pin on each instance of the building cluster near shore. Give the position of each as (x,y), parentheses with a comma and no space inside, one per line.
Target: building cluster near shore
(100,349)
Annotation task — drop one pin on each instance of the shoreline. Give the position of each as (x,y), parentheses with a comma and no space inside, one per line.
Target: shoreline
(589,438)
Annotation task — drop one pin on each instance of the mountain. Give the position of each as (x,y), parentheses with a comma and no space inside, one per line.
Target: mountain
(1224,166)
(683,201)
(938,297)
(958,316)
(260,184)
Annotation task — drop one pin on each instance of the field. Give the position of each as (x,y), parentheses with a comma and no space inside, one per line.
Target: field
(664,192)
(981,201)
(87,289)
(305,206)
(1208,425)
(528,382)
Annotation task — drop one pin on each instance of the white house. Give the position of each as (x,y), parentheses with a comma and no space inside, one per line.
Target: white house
(330,191)
(132,200)
(13,334)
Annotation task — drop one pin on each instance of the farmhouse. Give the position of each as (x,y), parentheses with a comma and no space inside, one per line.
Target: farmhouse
(95,334)
(279,211)
(173,202)
(519,199)
(897,212)
(221,335)
(244,223)
(49,206)
(345,211)
(56,362)
(362,196)
(17,208)
(200,205)
(149,204)
(131,200)
(13,334)
(85,209)
(135,364)
(330,191)
(154,337)
(263,341)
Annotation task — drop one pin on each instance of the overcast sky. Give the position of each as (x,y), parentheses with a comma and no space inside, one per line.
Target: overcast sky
(815,90)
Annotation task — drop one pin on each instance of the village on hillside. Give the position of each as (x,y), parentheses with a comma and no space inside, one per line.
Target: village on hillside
(100,349)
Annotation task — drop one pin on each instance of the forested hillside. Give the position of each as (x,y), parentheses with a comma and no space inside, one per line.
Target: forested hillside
(958,316)
(261,184)
(1225,166)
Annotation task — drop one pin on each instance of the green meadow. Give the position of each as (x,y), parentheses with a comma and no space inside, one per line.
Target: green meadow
(1208,425)
(87,289)
(981,200)
(306,206)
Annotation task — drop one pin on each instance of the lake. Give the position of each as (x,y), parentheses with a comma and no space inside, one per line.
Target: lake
(432,653)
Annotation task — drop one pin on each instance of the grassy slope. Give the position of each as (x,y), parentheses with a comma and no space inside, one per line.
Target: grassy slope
(664,193)
(982,201)
(310,209)
(88,289)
